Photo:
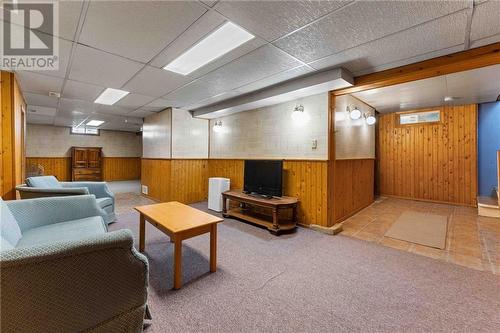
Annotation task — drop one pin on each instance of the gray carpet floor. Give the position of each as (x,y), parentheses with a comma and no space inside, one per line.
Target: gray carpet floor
(310,282)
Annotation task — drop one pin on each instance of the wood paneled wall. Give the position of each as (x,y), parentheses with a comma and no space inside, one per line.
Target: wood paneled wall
(121,168)
(114,168)
(304,179)
(354,186)
(56,166)
(185,181)
(13,124)
(434,161)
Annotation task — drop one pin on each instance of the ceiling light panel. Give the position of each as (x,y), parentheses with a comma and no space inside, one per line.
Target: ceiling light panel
(228,37)
(110,96)
(95,123)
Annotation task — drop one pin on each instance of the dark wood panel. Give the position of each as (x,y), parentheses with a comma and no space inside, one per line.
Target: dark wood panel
(60,167)
(434,161)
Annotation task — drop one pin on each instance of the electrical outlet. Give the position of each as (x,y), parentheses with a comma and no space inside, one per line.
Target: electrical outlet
(314,144)
(144,189)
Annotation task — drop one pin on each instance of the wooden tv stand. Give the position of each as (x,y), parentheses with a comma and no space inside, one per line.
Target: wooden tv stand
(245,212)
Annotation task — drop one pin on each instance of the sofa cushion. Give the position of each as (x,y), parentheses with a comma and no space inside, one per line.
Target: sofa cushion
(63,231)
(103,202)
(10,230)
(43,182)
(5,245)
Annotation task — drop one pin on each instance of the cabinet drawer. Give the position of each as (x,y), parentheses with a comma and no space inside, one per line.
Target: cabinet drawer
(86,171)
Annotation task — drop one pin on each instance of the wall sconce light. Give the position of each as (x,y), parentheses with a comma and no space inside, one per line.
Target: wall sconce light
(354,114)
(370,119)
(217,126)
(298,114)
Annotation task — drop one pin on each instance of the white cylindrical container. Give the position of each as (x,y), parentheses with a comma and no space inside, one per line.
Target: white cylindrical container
(216,186)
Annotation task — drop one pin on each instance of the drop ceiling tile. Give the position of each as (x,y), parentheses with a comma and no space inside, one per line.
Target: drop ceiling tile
(69,13)
(134,101)
(140,113)
(38,83)
(209,3)
(76,106)
(135,29)
(212,100)
(273,19)
(81,90)
(256,65)
(446,32)
(69,120)
(42,110)
(112,109)
(39,120)
(101,68)
(485,41)
(360,23)
(152,81)
(192,92)
(274,79)
(201,28)
(40,100)
(486,20)
(63,56)
(157,105)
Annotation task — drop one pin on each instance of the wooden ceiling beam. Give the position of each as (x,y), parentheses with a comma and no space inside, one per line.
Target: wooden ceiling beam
(457,62)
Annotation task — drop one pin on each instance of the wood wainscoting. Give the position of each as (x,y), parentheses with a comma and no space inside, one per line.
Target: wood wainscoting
(121,168)
(304,179)
(187,181)
(60,167)
(114,168)
(354,186)
(433,161)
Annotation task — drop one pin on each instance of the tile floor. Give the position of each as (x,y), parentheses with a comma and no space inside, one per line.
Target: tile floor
(471,241)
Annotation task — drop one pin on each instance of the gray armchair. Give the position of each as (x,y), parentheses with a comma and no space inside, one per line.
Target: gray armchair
(63,272)
(49,186)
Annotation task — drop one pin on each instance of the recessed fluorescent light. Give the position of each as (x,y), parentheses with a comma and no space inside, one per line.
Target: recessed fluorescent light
(110,96)
(95,123)
(221,41)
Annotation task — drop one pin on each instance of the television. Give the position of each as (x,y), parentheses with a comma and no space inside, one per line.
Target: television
(263,177)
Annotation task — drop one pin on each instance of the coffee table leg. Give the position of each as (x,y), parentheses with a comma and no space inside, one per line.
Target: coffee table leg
(142,233)
(177,263)
(213,248)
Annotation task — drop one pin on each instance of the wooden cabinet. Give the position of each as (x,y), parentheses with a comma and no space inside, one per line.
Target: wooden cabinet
(86,163)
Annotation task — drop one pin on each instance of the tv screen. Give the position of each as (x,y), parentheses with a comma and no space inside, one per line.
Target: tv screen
(263,177)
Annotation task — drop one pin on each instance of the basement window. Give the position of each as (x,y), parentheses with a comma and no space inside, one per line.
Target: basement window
(83,130)
(420,117)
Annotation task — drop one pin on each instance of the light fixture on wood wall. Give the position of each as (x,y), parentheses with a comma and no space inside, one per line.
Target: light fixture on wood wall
(354,114)
(217,126)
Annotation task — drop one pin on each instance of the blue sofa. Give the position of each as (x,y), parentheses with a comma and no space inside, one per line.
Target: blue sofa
(63,272)
(49,186)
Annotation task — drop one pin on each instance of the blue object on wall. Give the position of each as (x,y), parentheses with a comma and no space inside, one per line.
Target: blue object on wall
(488,141)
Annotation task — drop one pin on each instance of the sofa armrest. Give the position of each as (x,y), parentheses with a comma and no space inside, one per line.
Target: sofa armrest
(27,192)
(72,286)
(32,213)
(99,189)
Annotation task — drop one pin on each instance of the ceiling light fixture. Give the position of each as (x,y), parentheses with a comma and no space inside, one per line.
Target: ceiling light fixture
(226,38)
(110,96)
(218,127)
(95,123)
(451,98)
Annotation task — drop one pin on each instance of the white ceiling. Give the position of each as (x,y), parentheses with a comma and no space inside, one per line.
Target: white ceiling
(470,87)
(125,44)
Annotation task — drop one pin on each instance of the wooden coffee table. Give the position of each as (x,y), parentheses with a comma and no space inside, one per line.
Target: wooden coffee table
(180,222)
